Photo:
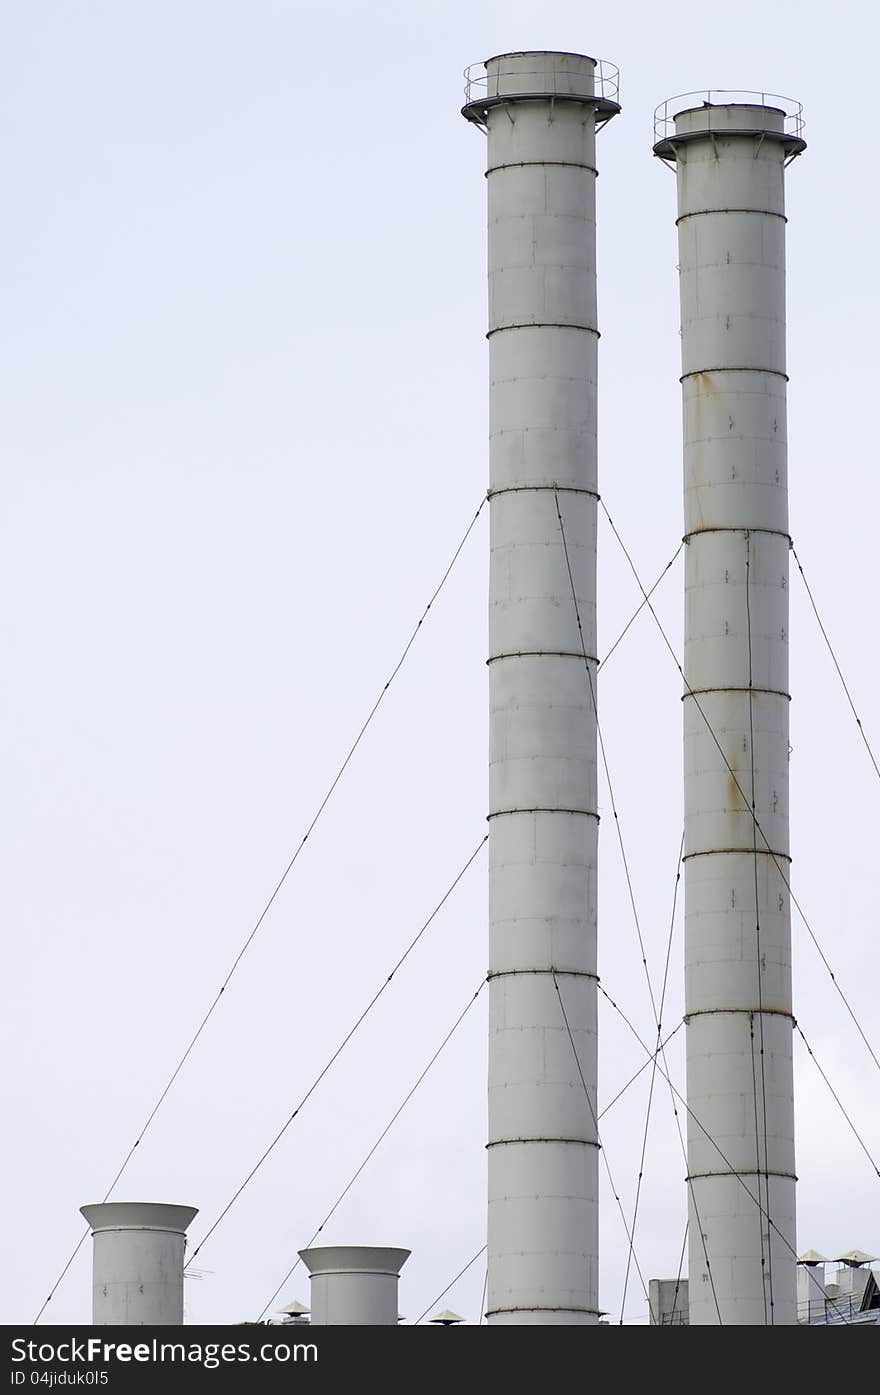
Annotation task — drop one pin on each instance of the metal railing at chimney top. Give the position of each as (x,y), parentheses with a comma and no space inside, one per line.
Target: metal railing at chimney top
(606,79)
(664,115)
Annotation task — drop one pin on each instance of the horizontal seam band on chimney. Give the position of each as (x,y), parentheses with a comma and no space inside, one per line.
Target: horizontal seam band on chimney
(731,688)
(737,528)
(544,809)
(750,851)
(348,1272)
(581,1142)
(531,164)
(732,368)
(568,973)
(742,1172)
(154,1229)
(704,212)
(545,654)
(553,488)
(579,98)
(544,324)
(730,1011)
(540,1308)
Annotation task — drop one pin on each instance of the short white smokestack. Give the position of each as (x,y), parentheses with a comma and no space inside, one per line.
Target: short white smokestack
(730,160)
(541,112)
(354,1285)
(137,1276)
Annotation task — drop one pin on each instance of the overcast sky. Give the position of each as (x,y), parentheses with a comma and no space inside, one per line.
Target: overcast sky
(244,420)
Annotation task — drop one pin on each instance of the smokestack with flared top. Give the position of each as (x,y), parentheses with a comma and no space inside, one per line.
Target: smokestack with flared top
(137,1277)
(354,1285)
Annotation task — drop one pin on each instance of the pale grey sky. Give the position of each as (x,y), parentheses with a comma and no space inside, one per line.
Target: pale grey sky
(244,426)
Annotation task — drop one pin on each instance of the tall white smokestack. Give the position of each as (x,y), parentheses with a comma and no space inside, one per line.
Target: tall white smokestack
(137,1276)
(540,112)
(354,1285)
(730,161)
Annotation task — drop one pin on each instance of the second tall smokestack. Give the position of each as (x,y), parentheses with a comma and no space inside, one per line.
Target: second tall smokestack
(730,159)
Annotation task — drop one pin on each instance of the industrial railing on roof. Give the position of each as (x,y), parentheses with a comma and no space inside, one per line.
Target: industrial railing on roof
(606,82)
(664,122)
(678,1318)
